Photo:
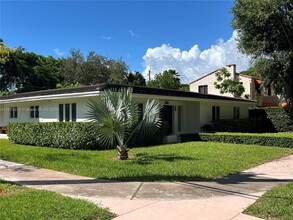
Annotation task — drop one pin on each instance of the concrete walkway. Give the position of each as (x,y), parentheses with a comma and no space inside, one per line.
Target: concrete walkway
(3,136)
(221,199)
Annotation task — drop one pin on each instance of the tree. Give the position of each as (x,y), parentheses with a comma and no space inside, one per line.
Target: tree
(117,115)
(169,79)
(23,71)
(118,71)
(228,85)
(71,67)
(265,31)
(94,70)
(136,79)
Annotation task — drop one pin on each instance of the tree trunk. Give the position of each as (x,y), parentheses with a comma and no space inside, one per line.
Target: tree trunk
(122,152)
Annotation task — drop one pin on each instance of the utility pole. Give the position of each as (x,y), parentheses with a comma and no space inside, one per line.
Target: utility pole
(149,74)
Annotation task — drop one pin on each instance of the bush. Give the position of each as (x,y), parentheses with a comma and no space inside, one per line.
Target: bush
(250,125)
(252,139)
(71,135)
(3,130)
(68,135)
(189,137)
(140,140)
(274,119)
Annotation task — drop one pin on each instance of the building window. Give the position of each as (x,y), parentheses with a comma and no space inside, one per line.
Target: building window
(61,112)
(13,112)
(73,112)
(215,113)
(236,112)
(34,111)
(203,89)
(179,118)
(67,112)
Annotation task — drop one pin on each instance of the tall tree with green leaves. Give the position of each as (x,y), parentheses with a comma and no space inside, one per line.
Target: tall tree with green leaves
(265,32)
(72,67)
(136,79)
(169,79)
(228,85)
(117,115)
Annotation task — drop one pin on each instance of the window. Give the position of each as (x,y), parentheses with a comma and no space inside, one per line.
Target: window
(179,118)
(73,112)
(34,111)
(13,112)
(67,112)
(203,89)
(60,112)
(236,112)
(215,113)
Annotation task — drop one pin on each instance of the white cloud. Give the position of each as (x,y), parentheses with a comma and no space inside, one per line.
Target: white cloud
(194,63)
(131,32)
(106,37)
(59,52)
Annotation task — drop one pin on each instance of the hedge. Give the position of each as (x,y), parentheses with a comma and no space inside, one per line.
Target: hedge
(68,135)
(71,135)
(261,120)
(274,119)
(251,139)
(249,125)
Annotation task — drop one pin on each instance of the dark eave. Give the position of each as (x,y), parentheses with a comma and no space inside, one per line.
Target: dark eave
(136,89)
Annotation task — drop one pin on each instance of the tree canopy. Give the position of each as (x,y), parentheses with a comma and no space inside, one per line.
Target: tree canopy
(265,32)
(228,85)
(168,79)
(22,71)
(136,79)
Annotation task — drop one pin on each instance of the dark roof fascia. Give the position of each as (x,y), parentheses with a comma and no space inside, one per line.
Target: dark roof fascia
(136,90)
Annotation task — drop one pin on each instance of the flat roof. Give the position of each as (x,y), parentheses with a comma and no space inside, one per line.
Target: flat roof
(105,86)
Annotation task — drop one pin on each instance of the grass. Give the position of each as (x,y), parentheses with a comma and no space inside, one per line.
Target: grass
(18,202)
(279,134)
(274,204)
(173,162)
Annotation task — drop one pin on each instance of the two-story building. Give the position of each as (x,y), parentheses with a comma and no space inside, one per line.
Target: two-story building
(252,85)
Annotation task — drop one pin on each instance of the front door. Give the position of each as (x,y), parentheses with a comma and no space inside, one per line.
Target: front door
(167,115)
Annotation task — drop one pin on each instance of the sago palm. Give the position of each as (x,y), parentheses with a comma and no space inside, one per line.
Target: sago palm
(117,115)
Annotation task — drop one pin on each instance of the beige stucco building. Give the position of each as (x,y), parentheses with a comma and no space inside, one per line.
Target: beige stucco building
(253,91)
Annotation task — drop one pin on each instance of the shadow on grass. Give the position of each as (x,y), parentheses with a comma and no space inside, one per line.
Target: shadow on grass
(146,159)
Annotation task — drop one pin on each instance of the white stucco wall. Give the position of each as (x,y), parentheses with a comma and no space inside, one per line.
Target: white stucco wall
(248,84)
(209,81)
(226,110)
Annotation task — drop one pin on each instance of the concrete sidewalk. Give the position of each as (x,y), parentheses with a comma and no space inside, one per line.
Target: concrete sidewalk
(3,136)
(223,198)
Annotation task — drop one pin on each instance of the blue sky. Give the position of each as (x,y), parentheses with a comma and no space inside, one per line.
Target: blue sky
(189,36)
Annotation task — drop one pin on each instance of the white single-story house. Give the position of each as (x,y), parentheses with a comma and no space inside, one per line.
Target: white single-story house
(185,112)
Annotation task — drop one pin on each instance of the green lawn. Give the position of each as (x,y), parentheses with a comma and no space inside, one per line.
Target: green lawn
(274,204)
(18,202)
(279,134)
(174,162)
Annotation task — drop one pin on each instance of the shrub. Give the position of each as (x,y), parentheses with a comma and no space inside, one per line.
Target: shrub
(140,140)
(250,125)
(273,119)
(252,139)
(68,135)
(3,130)
(71,135)
(189,137)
